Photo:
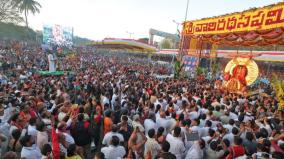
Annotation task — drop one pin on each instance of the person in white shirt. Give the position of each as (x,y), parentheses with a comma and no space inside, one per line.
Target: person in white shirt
(194,114)
(202,120)
(137,123)
(159,102)
(162,121)
(114,97)
(32,128)
(42,136)
(204,130)
(62,114)
(233,116)
(51,61)
(184,130)
(52,102)
(231,136)
(174,105)
(179,102)
(105,100)
(177,146)
(248,117)
(164,104)
(171,122)
(230,125)
(150,123)
(114,132)
(183,110)
(196,150)
(184,98)
(62,129)
(152,145)
(194,126)
(30,149)
(114,151)
(209,138)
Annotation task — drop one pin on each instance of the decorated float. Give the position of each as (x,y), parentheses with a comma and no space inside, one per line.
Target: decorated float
(255,27)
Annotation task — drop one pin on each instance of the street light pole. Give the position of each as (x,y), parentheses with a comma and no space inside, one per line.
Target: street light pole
(182,37)
(130,33)
(176,42)
(186,10)
(177,23)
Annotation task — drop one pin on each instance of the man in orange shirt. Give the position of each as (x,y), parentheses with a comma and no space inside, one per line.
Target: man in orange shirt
(107,122)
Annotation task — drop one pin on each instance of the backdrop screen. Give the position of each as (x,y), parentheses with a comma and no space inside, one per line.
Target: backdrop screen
(57,35)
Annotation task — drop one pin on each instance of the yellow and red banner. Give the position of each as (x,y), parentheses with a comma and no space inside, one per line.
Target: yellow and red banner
(257,19)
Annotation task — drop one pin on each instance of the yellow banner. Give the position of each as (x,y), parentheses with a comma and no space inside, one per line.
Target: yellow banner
(213,53)
(258,19)
(193,47)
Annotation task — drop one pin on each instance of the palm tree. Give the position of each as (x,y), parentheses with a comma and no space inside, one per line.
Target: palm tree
(27,6)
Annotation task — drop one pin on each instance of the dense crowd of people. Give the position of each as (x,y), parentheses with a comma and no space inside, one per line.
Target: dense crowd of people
(111,106)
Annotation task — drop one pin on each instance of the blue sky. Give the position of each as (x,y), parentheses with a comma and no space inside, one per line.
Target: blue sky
(97,19)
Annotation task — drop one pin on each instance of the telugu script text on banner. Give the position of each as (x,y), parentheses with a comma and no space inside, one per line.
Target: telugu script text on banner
(260,19)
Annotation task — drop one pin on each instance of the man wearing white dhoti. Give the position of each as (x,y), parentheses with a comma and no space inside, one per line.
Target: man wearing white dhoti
(51,62)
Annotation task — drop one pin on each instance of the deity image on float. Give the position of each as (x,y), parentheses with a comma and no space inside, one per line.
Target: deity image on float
(240,72)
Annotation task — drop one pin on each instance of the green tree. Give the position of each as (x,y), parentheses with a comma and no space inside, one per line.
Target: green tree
(9,14)
(178,68)
(26,6)
(166,44)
